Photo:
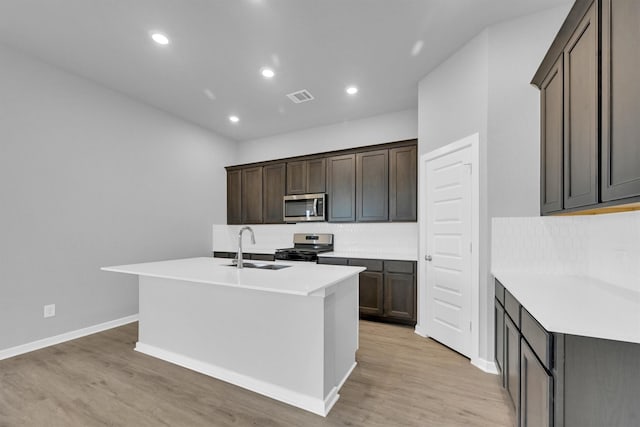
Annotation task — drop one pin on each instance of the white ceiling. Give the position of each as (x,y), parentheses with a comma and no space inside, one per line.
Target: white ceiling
(220,45)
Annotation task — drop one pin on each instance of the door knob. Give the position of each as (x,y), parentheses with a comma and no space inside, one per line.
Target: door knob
(428,258)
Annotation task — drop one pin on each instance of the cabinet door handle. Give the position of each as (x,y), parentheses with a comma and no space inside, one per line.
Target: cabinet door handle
(428,257)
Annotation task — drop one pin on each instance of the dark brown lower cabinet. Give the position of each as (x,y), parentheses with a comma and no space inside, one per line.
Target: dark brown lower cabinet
(536,390)
(371,293)
(388,288)
(511,370)
(499,336)
(562,380)
(399,299)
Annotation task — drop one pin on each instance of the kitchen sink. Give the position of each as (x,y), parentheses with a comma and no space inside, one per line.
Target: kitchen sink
(261,266)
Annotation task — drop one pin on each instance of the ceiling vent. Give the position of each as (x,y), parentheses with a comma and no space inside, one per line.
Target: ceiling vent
(300,96)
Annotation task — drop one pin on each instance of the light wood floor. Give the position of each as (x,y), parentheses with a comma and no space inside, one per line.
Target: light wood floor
(401,380)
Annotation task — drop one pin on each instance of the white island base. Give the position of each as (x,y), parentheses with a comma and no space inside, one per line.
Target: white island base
(298,348)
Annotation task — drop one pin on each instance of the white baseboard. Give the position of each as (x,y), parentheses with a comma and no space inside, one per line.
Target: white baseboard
(333,395)
(317,406)
(482,364)
(485,365)
(67,336)
(419,330)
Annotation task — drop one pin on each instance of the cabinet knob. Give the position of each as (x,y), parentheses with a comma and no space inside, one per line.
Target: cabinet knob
(428,258)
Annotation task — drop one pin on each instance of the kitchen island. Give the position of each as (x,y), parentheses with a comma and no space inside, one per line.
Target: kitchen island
(290,334)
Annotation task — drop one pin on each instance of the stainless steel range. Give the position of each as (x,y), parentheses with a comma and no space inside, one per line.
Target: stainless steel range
(306,247)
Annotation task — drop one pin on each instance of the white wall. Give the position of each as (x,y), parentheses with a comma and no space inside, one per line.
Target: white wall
(90,178)
(453,98)
(514,111)
(373,130)
(484,88)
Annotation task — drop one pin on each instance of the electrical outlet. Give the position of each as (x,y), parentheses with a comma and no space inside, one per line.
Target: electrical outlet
(49,310)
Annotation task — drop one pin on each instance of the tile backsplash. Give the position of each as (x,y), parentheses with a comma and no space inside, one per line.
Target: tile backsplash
(606,247)
(388,238)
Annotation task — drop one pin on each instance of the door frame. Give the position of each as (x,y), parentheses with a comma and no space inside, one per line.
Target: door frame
(472,142)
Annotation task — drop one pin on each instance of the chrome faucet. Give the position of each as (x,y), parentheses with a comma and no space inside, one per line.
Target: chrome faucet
(253,241)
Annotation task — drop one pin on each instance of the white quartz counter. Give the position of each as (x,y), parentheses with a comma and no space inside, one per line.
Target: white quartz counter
(299,279)
(577,305)
(400,256)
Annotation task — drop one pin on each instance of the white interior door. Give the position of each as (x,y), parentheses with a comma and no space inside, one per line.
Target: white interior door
(448,249)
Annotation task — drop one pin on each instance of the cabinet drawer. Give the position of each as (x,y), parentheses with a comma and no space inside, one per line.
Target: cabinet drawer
(499,290)
(538,338)
(218,254)
(263,257)
(399,267)
(512,307)
(370,264)
(332,261)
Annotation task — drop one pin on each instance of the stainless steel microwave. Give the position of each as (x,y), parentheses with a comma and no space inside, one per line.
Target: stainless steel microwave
(304,207)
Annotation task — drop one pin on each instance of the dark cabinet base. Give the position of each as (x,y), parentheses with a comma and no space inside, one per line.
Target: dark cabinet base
(393,320)
(600,380)
(388,289)
(560,380)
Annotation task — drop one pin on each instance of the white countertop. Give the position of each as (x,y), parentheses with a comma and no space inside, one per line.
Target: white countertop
(577,305)
(302,278)
(405,256)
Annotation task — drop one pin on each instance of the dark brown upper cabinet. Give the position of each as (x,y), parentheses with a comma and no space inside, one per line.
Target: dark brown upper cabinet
(372,186)
(552,136)
(341,186)
(595,57)
(297,177)
(234,196)
(273,181)
(373,183)
(306,176)
(620,161)
(316,175)
(403,183)
(252,195)
(581,114)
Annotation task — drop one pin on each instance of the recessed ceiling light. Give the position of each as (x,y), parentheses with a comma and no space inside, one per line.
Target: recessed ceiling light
(160,38)
(352,90)
(234,119)
(267,73)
